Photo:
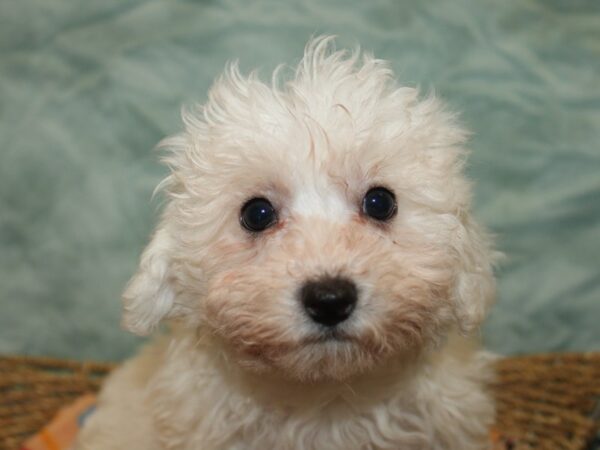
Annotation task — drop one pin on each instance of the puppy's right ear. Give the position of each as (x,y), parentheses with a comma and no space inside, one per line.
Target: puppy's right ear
(148,297)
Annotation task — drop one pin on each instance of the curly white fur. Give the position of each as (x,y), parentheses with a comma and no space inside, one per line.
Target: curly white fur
(243,367)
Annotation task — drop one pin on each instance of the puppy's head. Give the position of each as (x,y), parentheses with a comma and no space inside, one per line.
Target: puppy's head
(318,228)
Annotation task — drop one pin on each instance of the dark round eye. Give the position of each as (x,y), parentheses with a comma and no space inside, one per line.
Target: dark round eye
(258,214)
(379,204)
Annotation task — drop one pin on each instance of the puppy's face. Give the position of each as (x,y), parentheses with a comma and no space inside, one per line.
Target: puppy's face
(317,230)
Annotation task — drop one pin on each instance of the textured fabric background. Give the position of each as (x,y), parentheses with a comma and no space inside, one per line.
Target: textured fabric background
(88,88)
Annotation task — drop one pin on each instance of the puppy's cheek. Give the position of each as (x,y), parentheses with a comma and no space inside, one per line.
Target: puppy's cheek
(408,311)
(250,314)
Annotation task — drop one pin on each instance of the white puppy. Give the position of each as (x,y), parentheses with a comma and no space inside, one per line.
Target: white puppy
(320,271)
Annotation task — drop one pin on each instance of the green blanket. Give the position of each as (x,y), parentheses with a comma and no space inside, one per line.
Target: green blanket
(88,88)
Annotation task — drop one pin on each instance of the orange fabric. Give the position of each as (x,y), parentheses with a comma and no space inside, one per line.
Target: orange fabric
(61,432)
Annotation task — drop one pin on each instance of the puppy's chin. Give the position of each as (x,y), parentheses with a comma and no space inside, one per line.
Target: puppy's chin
(315,362)
(320,358)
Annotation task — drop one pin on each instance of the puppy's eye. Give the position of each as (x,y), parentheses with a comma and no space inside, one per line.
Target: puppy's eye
(258,214)
(379,204)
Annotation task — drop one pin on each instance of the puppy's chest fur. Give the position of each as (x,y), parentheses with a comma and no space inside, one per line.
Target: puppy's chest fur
(194,404)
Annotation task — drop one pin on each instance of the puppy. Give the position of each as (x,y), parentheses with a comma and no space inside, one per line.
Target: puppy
(320,272)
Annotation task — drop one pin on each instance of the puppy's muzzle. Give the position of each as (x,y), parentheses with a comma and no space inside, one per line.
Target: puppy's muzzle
(329,301)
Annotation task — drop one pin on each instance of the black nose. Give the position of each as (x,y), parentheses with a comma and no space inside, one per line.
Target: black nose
(329,301)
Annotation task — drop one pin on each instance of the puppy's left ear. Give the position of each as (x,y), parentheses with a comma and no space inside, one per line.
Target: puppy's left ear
(475,289)
(149,296)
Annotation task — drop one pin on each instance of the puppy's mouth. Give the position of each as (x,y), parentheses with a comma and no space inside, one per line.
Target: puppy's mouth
(328,336)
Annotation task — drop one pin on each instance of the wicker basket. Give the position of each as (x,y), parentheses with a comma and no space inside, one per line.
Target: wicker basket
(544,401)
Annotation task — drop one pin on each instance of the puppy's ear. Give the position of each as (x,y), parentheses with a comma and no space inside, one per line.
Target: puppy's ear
(148,297)
(475,287)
